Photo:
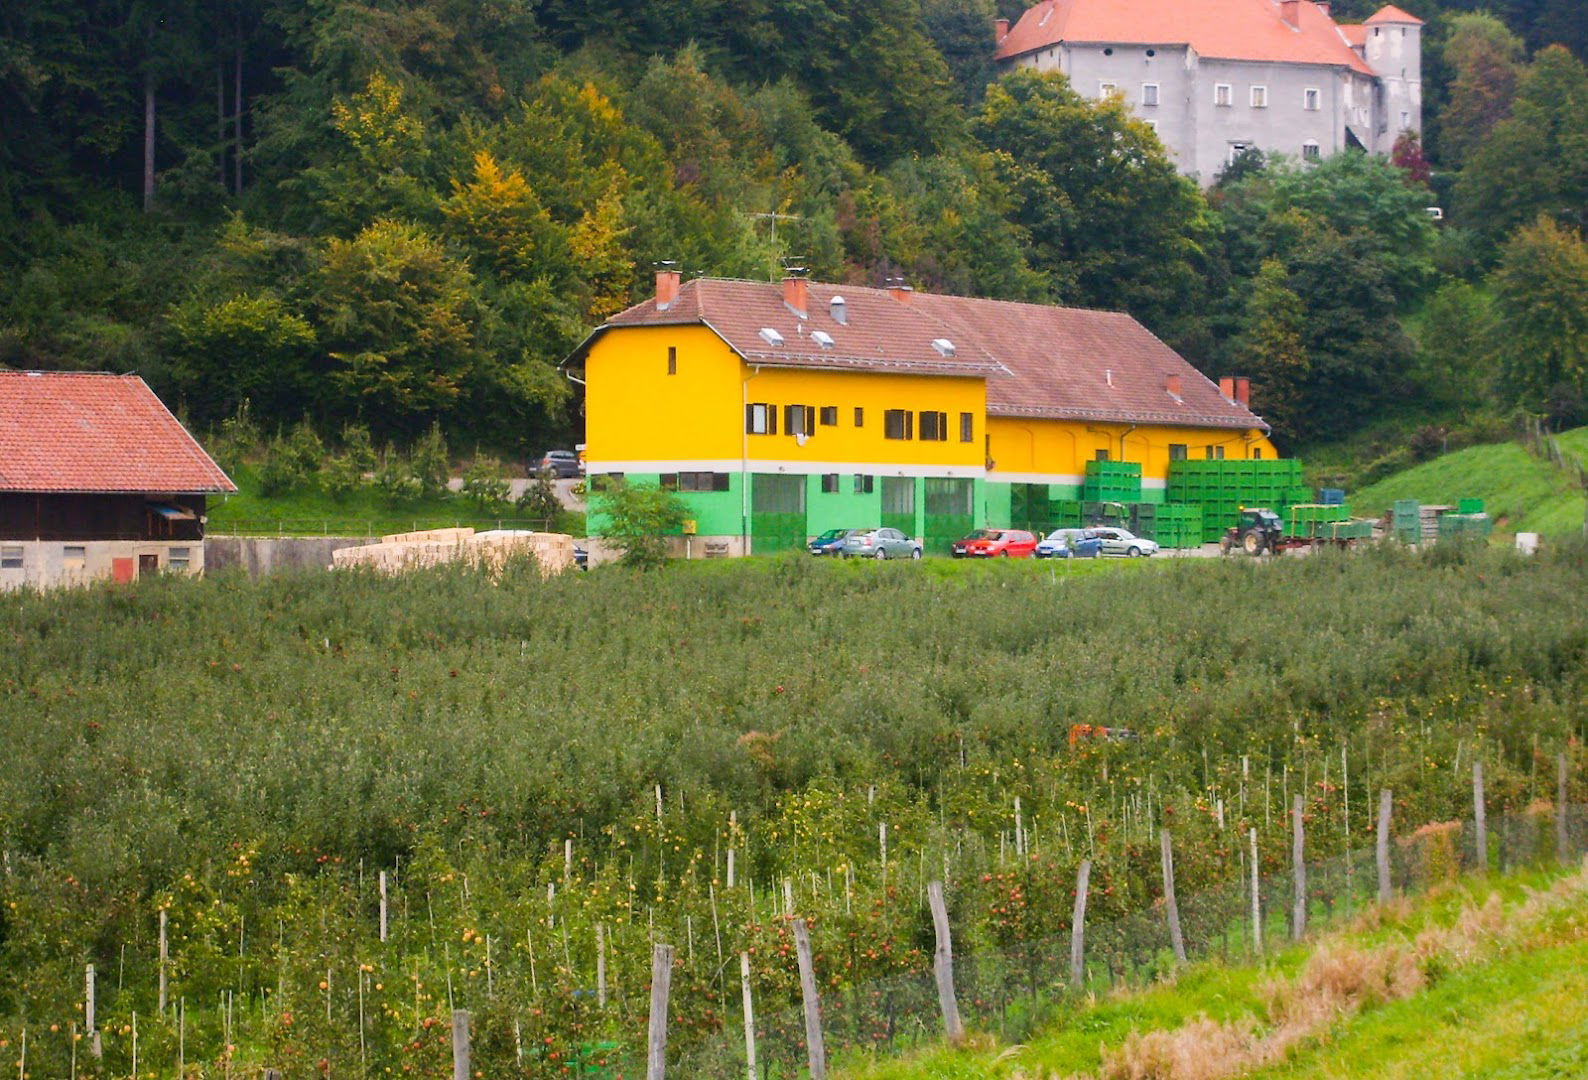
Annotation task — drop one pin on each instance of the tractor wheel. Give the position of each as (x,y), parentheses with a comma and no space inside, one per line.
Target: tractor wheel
(1252,542)
(1226,544)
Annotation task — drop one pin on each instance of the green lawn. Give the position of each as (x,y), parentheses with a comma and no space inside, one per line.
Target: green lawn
(1522,492)
(1520,1015)
(361,513)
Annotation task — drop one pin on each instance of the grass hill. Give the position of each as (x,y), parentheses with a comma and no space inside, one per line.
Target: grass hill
(1523,493)
(1481,979)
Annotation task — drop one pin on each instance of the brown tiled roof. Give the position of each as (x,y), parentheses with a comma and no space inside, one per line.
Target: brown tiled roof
(79,432)
(1038,360)
(1389,13)
(1078,364)
(880,333)
(1221,29)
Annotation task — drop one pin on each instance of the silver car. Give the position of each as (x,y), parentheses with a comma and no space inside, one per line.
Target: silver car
(880,544)
(1124,542)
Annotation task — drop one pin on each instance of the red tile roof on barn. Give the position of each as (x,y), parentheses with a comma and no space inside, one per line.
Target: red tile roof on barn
(95,433)
(1219,29)
(1039,361)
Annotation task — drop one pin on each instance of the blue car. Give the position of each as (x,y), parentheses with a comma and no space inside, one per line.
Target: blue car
(830,542)
(1070,544)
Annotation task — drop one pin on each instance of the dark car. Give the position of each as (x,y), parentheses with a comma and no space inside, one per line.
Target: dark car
(830,542)
(581,557)
(562,464)
(1070,544)
(991,543)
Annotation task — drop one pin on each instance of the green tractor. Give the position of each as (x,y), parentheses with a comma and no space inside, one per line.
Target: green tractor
(1255,531)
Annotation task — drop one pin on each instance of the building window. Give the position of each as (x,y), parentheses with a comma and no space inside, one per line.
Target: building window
(1215,453)
(1149,93)
(864,485)
(672,360)
(699,481)
(10,558)
(829,416)
(1259,97)
(1152,125)
(860,416)
(1257,453)
(1223,95)
(1106,88)
(1309,151)
(74,557)
(799,419)
(967,427)
(1311,99)
(1102,455)
(177,560)
(1406,120)
(898,424)
(830,483)
(934,426)
(760,419)
(1177,451)
(1236,150)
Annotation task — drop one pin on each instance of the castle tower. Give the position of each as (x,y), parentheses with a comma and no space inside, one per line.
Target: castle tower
(1393,46)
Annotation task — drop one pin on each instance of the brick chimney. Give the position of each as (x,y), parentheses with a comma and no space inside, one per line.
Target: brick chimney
(667,280)
(1243,390)
(1000,29)
(900,292)
(1290,11)
(1171,383)
(796,294)
(1227,387)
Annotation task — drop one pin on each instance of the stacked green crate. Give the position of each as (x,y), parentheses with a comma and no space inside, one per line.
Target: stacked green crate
(1222,488)
(1408,521)
(1177,525)
(1143,520)
(1346,530)
(1460,525)
(1469,506)
(1112,481)
(1306,519)
(1064,514)
(1105,513)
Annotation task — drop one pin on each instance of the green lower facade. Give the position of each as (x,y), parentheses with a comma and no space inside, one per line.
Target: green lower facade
(771,512)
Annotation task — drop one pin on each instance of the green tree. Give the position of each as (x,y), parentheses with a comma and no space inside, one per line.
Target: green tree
(397,319)
(498,219)
(1541,299)
(1536,161)
(640,518)
(1485,61)
(1455,357)
(1109,220)
(1270,350)
(249,347)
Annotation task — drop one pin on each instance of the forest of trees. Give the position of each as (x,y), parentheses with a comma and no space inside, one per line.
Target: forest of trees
(402,212)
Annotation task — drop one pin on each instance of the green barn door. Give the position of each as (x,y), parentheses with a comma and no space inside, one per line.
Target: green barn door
(1028,506)
(898,504)
(777,513)
(950,512)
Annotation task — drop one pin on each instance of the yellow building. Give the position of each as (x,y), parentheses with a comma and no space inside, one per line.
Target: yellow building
(779,410)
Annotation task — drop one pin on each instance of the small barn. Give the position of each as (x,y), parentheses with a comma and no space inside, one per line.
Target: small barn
(97,480)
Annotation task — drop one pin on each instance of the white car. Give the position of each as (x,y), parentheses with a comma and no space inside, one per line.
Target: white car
(1124,542)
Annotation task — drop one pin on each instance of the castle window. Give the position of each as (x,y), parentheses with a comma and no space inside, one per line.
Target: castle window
(1310,151)
(1149,93)
(1106,88)
(1259,97)
(1223,94)
(1312,99)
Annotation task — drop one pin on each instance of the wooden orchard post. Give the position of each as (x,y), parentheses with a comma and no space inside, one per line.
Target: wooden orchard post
(383,922)
(94,1045)
(1386,804)
(272,1074)
(164,952)
(1480,818)
(1298,914)
(661,985)
(1078,926)
(460,1045)
(1562,838)
(1171,906)
(815,1046)
(1257,901)
(749,1014)
(943,964)
(601,965)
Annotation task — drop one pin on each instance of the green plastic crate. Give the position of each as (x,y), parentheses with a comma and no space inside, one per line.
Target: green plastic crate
(1469,506)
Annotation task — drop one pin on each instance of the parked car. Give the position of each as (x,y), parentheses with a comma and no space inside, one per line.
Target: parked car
(1124,542)
(1070,544)
(880,544)
(560,463)
(581,557)
(988,543)
(830,542)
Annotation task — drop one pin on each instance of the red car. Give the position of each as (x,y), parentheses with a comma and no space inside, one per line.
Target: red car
(987,543)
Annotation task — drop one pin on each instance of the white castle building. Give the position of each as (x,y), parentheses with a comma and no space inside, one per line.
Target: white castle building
(1215,77)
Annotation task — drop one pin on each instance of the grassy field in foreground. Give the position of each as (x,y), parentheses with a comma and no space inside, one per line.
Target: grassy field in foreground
(1523,493)
(1521,1012)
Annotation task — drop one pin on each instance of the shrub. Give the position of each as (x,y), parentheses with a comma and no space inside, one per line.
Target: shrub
(348,471)
(292,462)
(428,463)
(539,500)
(640,517)
(486,485)
(395,479)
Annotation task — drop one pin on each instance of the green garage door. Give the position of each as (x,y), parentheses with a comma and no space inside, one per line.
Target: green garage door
(898,504)
(950,512)
(777,513)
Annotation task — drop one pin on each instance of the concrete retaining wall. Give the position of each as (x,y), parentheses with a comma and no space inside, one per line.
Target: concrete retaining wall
(261,555)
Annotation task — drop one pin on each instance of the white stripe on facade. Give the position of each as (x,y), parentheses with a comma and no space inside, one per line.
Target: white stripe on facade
(792,468)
